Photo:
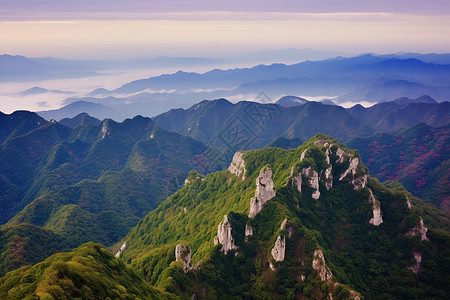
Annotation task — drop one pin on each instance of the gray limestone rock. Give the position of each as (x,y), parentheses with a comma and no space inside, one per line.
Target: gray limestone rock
(121,250)
(264,192)
(319,265)
(312,180)
(419,229)
(278,251)
(184,253)
(224,236)
(237,166)
(377,218)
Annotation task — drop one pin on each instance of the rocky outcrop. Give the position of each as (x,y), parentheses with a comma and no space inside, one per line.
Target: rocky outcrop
(104,128)
(224,236)
(418,258)
(408,203)
(354,162)
(420,229)
(311,178)
(319,265)
(183,253)
(237,166)
(342,155)
(327,175)
(248,231)
(264,192)
(297,180)
(121,249)
(285,226)
(302,156)
(377,218)
(278,251)
(359,182)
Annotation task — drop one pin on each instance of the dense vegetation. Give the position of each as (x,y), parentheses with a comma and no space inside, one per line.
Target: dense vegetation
(91,183)
(88,272)
(418,157)
(371,260)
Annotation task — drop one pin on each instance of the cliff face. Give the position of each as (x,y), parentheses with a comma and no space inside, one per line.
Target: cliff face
(183,253)
(264,192)
(237,166)
(224,236)
(320,266)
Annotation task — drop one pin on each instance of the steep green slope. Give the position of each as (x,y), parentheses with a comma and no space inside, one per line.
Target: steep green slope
(79,120)
(249,125)
(27,244)
(18,123)
(88,272)
(92,183)
(19,159)
(315,225)
(96,189)
(418,157)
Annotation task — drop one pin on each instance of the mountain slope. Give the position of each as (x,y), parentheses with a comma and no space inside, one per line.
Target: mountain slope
(418,157)
(18,123)
(79,120)
(390,116)
(91,183)
(88,272)
(315,225)
(218,122)
(26,244)
(19,159)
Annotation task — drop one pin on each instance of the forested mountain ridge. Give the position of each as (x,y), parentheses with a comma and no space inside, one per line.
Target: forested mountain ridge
(306,222)
(90,183)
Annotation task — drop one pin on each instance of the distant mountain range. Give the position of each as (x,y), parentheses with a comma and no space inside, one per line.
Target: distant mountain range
(361,79)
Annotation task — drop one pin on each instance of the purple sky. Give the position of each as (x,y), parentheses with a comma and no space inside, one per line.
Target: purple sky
(137,28)
(304,6)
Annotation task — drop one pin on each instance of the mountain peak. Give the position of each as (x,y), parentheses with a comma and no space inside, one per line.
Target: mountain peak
(422,99)
(289,101)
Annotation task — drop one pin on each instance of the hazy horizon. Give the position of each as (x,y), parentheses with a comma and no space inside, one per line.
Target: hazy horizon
(116,30)
(232,32)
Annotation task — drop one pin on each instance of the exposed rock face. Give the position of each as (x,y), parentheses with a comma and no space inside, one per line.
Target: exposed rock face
(327,177)
(354,162)
(303,155)
(408,203)
(419,229)
(237,166)
(418,258)
(377,218)
(297,180)
(248,231)
(312,179)
(121,249)
(359,182)
(319,265)
(184,253)
(279,249)
(104,128)
(224,236)
(285,226)
(342,155)
(264,192)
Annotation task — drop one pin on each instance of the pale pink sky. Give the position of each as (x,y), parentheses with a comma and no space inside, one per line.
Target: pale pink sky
(109,29)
